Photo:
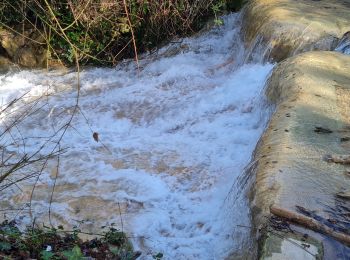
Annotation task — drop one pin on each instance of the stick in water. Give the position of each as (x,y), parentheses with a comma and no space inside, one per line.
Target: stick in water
(310,223)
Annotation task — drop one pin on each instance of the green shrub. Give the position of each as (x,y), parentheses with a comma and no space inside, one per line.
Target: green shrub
(51,243)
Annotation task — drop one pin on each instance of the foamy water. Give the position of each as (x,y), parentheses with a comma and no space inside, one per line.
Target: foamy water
(174,136)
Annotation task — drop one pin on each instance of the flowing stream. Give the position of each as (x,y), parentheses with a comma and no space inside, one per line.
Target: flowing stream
(174,137)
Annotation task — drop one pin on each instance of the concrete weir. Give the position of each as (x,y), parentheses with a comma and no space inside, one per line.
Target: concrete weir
(289,27)
(301,196)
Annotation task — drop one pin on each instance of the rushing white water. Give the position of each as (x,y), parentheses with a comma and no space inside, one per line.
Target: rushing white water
(174,136)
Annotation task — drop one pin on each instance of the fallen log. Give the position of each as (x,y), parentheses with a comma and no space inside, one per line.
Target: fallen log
(310,223)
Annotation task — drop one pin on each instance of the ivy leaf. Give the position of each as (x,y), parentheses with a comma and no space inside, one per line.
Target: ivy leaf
(74,254)
(46,255)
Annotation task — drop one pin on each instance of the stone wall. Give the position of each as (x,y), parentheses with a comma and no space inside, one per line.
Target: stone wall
(287,27)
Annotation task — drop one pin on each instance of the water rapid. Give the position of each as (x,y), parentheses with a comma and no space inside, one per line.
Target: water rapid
(174,135)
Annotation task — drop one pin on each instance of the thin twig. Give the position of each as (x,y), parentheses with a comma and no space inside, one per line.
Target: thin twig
(54,185)
(132,34)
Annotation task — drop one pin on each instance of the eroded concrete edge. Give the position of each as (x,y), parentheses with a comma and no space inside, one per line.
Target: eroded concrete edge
(284,28)
(309,90)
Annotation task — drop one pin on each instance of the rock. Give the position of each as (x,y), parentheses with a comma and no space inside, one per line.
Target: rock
(288,27)
(21,50)
(29,57)
(9,42)
(5,64)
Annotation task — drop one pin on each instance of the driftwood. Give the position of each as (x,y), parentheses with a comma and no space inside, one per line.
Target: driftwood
(310,223)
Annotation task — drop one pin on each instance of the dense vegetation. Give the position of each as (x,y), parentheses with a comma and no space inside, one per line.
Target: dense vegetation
(105,31)
(51,243)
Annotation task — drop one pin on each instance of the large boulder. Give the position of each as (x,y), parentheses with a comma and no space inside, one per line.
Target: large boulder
(288,27)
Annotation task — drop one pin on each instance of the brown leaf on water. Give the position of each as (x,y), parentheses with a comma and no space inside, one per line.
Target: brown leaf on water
(95,136)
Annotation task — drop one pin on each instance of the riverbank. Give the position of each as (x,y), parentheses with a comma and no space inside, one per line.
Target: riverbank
(52,34)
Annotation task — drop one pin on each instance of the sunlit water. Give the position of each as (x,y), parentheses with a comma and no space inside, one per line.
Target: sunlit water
(174,136)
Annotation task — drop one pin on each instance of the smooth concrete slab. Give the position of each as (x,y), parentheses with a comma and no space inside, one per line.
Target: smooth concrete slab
(311,91)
